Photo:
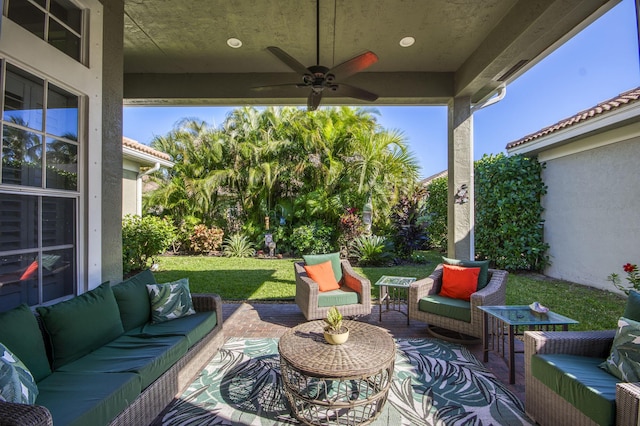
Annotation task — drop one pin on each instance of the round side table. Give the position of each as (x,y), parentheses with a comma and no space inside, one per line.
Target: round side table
(336,384)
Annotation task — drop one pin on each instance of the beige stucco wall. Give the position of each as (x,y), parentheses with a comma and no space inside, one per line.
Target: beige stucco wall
(593,206)
(129,193)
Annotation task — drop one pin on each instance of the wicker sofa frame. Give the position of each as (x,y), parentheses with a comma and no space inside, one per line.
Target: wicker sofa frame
(493,294)
(547,407)
(152,400)
(307,294)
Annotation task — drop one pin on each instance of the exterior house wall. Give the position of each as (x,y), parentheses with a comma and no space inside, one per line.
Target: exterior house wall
(129,192)
(591,209)
(130,170)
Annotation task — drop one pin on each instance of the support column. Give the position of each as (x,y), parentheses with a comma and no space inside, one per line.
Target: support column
(111,167)
(460,217)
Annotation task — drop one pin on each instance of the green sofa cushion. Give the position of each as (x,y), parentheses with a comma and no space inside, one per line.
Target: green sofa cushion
(20,333)
(133,299)
(81,399)
(446,307)
(579,380)
(149,357)
(193,327)
(632,307)
(334,258)
(82,324)
(483,278)
(342,296)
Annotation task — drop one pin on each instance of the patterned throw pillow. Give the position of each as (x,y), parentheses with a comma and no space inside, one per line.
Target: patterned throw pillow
(624,359)
(16,382)
(170,301)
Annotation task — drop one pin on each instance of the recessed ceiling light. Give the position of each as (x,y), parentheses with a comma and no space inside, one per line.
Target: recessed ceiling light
(234,43)
(407,41)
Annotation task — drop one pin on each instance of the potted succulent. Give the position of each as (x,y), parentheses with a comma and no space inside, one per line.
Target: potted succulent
(335,332)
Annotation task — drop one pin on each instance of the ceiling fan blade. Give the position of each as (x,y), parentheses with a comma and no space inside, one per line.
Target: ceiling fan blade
(354,65)
(289,60)
(278,86)
(355,92)
(313,101)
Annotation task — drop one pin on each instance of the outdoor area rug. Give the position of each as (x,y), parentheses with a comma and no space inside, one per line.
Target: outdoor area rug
(435,383)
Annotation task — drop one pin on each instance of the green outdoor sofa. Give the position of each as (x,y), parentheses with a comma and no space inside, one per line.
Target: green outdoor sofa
(98,359)
(565,383)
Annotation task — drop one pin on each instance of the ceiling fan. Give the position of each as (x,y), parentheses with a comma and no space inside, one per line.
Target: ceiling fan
(318,77)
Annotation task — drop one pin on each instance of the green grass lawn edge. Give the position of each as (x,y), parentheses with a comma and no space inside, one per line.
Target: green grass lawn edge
(273,280)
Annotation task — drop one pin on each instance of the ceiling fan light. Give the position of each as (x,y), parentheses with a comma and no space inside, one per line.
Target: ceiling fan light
(407,41)
(234,43)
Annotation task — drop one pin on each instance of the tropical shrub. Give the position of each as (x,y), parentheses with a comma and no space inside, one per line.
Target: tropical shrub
(436,213)
(238,245)
(143,239)
(350,227)
(372,250)
(204,240)
(509,225)
(314,238)
(408,221)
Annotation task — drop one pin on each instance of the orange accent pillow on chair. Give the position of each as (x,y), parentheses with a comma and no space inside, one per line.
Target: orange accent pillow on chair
(322,274)
(353,283)
(459,282)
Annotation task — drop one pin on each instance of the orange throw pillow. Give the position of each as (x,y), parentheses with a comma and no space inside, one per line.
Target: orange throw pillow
(353,283)
(459,282)
(322,274)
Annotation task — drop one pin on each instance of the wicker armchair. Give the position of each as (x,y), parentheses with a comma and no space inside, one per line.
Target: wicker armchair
(307,294)
(547,407)
(493,294)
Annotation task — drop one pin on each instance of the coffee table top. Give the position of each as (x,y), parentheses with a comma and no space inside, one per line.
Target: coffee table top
(523,315)
(391,281)
(368,348)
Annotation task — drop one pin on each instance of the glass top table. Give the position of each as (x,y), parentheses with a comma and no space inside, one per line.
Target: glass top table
(394,291)
(523,315)
(498,318)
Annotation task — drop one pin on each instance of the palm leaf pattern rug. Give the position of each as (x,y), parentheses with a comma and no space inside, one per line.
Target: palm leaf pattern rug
(435,383)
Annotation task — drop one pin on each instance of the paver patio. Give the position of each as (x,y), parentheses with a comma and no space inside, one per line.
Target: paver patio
(255,320)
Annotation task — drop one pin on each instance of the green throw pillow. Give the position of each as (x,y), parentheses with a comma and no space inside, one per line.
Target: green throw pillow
(483,278)
(314,259)
(16,382)
(133,299)
(170,301)
(20,332)
(624,359)
(82,324)
(632,307)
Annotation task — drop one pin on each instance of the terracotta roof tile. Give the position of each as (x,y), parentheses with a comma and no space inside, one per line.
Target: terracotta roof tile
(622,99)
(130,143)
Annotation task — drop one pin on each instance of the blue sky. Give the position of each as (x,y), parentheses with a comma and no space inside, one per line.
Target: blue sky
(595,65)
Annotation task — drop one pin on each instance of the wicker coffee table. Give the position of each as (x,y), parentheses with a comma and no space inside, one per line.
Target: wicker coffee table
(336,384)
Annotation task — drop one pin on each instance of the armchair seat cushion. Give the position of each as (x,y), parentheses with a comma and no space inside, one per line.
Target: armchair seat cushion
(580,381)
(446,307)
(340,297)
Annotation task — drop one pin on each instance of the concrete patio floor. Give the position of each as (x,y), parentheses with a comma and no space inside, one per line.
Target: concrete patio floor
(254,320)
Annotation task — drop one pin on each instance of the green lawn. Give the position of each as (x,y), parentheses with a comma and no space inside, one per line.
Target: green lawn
(274,279)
